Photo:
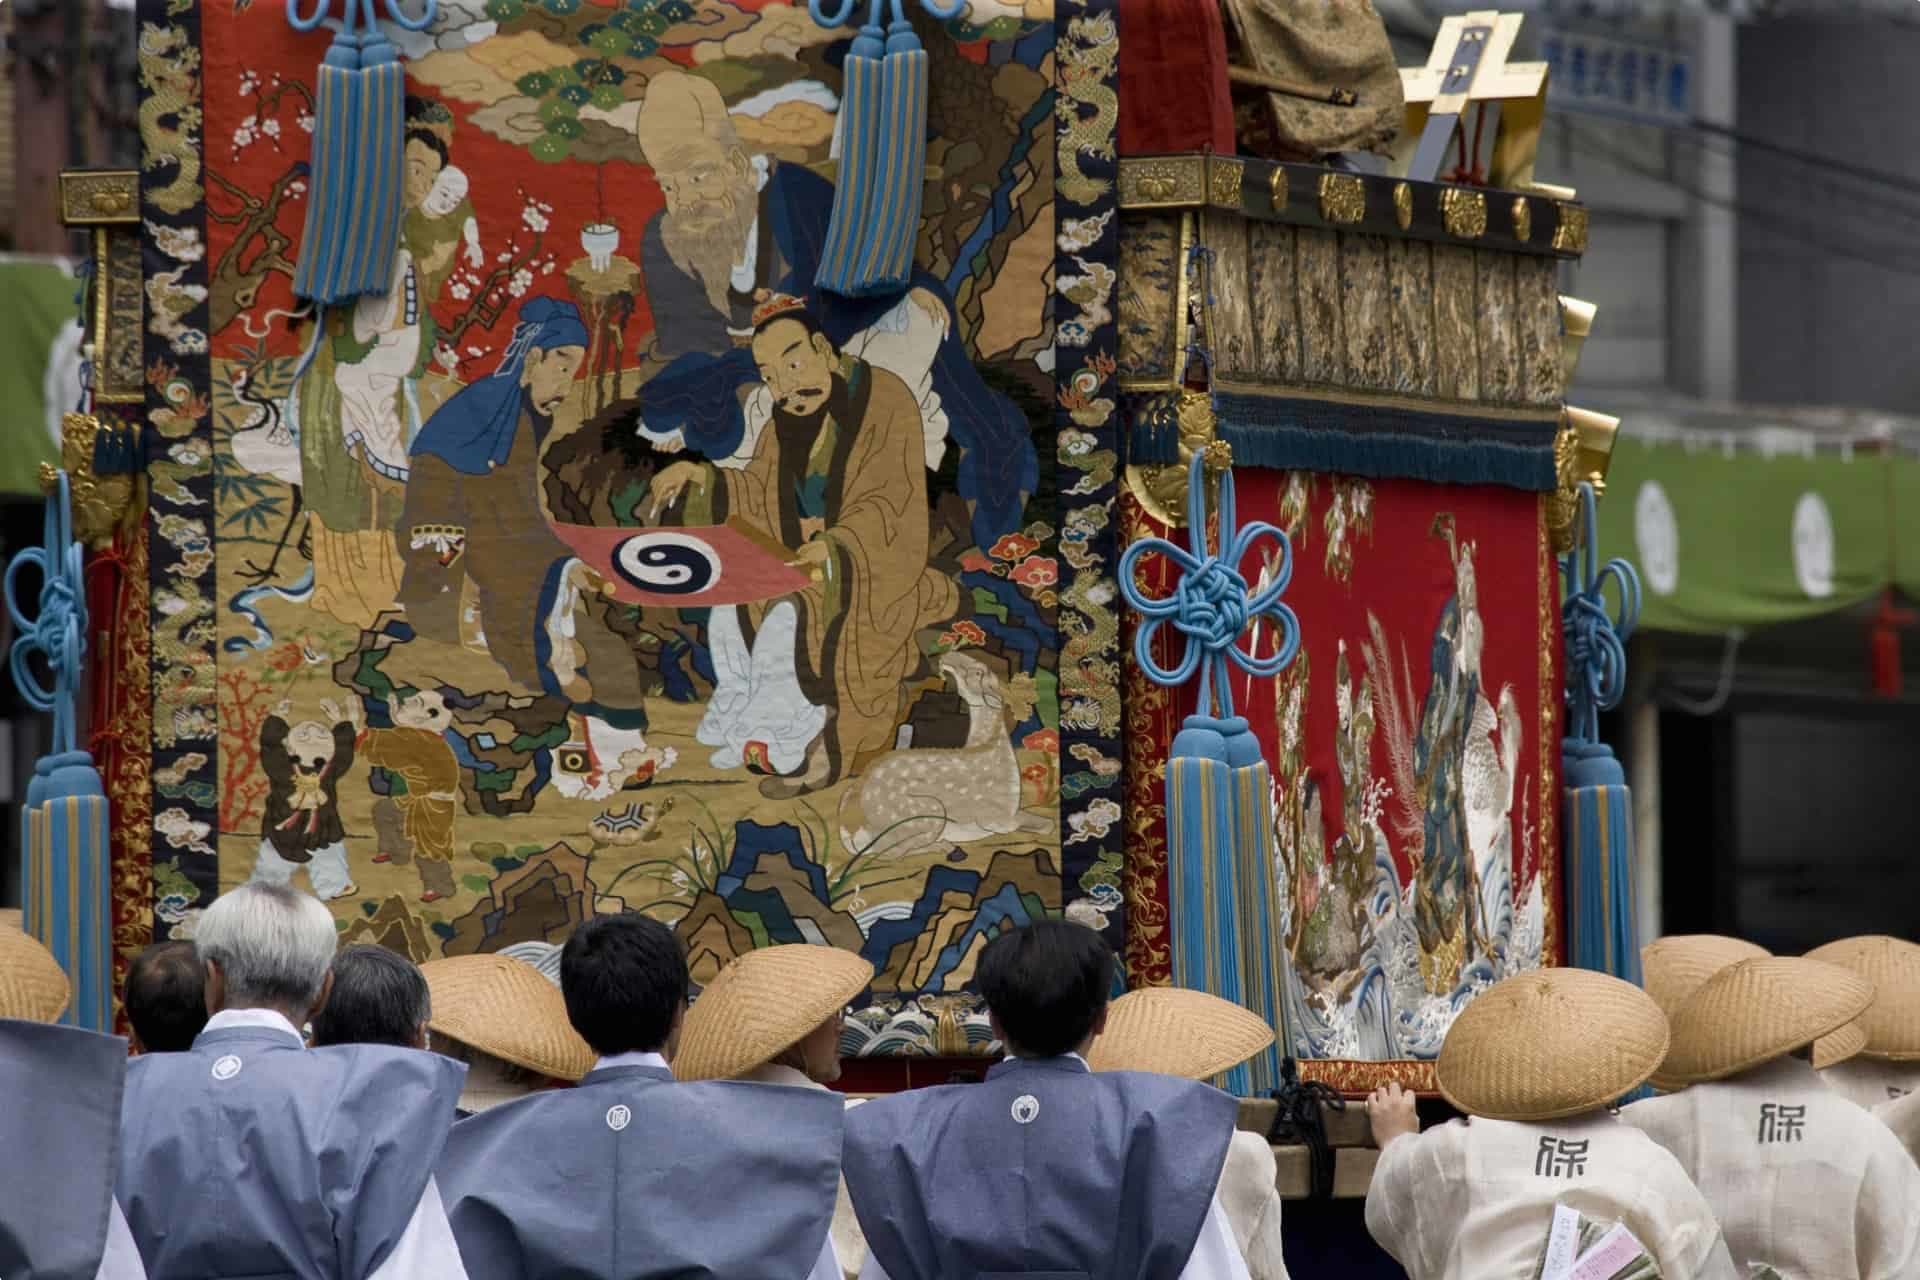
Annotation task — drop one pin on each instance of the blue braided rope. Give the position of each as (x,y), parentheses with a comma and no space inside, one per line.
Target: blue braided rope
(363,11)
(1595,639)
(1211,603)
(58,631)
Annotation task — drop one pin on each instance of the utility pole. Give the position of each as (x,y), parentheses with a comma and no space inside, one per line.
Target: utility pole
(48,46)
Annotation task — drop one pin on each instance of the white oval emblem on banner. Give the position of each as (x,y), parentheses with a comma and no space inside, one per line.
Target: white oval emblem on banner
(1813,546)
(618,1118)
(1656,536)
(226,1068)
(1026,1109)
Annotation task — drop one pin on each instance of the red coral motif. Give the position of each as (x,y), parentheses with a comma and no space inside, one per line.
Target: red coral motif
(1014,546)
(1040,571)
(285,657)
(964,632)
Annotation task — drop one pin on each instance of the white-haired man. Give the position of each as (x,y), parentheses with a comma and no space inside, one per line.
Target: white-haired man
(252,1155)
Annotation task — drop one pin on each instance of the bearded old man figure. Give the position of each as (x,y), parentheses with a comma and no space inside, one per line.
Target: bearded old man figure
(814,678)
(737,224)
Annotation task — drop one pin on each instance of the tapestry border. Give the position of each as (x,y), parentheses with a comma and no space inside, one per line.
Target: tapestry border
(1086,347)
(180,511)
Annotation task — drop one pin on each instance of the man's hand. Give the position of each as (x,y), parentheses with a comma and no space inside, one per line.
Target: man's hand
(669,484)
(1390,1113)
(331,710)
(812,553)
(929,302)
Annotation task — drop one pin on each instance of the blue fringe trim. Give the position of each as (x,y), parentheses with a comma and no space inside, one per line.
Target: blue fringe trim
(1387,441)
(116,451)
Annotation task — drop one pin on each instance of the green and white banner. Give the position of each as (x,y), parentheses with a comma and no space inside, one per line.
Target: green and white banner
(1735,531)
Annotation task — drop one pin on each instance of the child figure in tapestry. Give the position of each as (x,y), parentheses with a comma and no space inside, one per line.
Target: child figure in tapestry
(424,775)
(304,764)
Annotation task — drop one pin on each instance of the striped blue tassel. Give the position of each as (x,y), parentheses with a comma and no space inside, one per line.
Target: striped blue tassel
(1602,930)
(883,153)
(1220,882)
(354,188)
(64,844)
(1601,933)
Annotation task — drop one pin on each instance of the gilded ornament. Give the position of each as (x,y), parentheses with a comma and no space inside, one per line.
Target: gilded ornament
(1343,198)
(1148,184)
(1403,204)
(100,197)
(1162,487)
(1277,188)
(1570,232)
(100,503)
(1563,504)
(1223,183)
(1463,213)
(1522,219)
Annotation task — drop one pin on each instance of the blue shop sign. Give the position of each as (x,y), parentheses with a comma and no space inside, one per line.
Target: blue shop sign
(1606,76)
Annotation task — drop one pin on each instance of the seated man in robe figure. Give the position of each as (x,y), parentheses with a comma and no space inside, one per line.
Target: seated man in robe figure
(809,684)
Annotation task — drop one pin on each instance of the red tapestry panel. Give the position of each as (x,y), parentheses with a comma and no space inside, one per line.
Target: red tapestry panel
(1414,747)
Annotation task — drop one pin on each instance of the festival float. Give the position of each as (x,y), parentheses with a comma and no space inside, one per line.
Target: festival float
(869,477)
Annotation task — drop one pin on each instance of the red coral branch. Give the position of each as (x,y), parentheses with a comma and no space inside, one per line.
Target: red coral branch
(242,787)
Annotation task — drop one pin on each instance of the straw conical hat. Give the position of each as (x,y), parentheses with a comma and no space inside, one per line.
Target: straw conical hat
(1550,1043)
(503,1007)
(33,986)
(1177,1032)
(1836,1047)
(1675,967)
(1892,965)
(763,1003)
(1755,1011)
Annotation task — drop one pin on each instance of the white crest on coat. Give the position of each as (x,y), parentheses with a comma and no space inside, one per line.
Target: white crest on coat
(618,1118)
(226,1068)
(1026,1109)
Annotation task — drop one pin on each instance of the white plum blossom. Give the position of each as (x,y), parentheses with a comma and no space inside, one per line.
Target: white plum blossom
(306,121)
(521,281)
(270,127)
(460,290)
(533,218)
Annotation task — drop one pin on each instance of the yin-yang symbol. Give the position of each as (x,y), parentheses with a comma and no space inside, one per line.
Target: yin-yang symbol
(667,562)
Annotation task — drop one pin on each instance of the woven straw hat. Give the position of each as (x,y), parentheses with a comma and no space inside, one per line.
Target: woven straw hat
(763,1003)
(1676,967)
(1892,965)
(1550,1043)
(1755,1011)
(33,986)
(1177,1032)
(503,1006)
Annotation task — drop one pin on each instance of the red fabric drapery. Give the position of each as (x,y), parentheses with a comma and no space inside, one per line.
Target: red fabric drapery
(1174,94)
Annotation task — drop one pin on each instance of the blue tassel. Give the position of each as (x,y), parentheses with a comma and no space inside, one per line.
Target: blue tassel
(1220,882)
(1602,933)
(1153,436)
(883,153)
(64,829)
(354,188)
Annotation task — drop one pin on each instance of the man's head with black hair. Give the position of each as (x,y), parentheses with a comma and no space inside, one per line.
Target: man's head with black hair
(166,998)
(379,997)
(625,981)
(1046,987)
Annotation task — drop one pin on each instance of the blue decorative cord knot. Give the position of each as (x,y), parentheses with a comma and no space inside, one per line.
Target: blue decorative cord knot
(58,630)
(1595,639)
(1211,604)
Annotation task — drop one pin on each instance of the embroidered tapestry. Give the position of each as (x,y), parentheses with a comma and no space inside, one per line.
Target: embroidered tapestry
(1414,743)
(603,563)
